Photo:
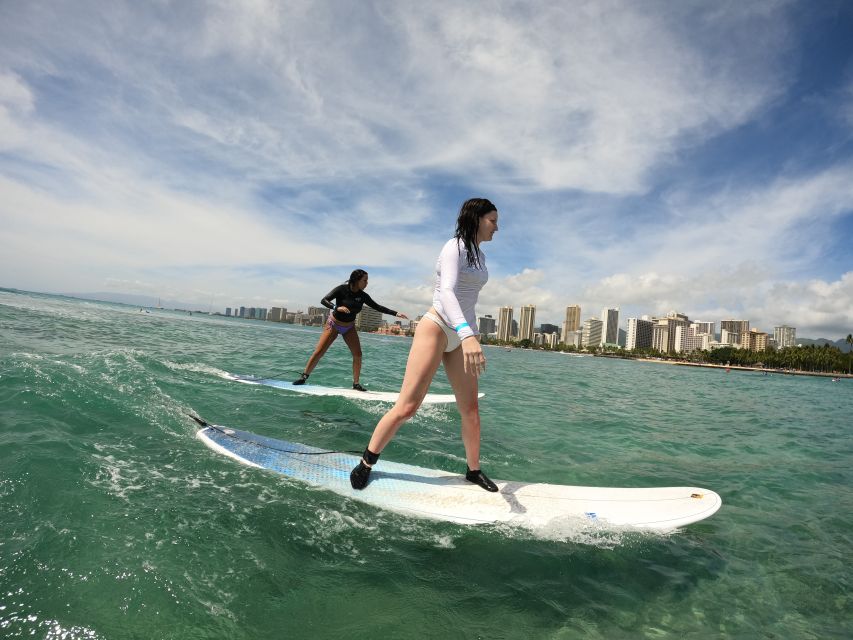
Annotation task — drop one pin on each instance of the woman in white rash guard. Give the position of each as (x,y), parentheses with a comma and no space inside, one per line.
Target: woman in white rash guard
(447,334)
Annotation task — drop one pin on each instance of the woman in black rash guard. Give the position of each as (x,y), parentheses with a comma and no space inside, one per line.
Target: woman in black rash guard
(348,299)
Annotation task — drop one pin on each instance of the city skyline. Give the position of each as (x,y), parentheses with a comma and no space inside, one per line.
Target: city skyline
(640,332)
(666,156)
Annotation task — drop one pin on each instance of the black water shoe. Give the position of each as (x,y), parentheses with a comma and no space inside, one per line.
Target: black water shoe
(478,477)
(358,387)
(359,476)
(302,378)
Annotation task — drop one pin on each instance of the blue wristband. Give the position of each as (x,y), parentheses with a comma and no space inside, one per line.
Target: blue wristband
(460,326)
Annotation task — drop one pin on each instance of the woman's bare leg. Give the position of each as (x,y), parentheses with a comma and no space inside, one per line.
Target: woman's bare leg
(465,388)
(326,339)
(354,344)
(424,358)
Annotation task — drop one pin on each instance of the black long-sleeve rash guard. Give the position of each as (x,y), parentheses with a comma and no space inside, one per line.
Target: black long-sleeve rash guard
(354,301)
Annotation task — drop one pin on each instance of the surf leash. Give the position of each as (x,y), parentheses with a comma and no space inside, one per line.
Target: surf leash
(233,435)
(274,376)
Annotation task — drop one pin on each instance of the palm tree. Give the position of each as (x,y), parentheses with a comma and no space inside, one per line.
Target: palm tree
(849,340)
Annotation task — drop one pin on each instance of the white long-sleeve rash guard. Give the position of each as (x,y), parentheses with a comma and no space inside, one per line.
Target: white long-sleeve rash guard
(457,287)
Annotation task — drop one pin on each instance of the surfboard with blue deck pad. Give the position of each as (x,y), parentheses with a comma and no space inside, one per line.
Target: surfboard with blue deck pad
(442,495)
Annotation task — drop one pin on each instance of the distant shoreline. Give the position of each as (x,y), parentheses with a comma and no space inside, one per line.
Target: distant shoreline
(788,372)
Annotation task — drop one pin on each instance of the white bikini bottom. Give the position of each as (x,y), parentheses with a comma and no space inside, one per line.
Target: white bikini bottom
(453,341)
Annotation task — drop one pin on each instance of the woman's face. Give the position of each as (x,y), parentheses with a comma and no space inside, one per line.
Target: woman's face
(361,284)
(488,226)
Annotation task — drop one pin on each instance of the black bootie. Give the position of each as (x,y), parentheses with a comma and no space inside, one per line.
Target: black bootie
(479,478)
(360,476)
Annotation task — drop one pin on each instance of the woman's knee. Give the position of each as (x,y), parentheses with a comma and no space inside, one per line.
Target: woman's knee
(470,414)
(406,410)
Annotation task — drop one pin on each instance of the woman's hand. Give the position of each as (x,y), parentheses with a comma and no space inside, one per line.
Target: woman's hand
(473,359)
(403,316)
(343,309)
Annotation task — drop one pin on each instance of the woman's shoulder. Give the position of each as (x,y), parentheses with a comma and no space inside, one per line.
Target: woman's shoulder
(339,288)
(455,245)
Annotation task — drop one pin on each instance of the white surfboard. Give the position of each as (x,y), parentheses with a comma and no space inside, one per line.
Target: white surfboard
(316,390)
(441,495)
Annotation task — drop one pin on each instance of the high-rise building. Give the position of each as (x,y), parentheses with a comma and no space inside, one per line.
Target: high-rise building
(660,336)
(730,338)
(610,331)
(573,338)
(741,327)
(486,324)
(785,336)
(688,339)
(704,327)
(227,312)
(528,318)
(663,332)
(369,319)
(317,315)
(701,336)
(277,314)
(505,324)
(572,321)
(639,334)
(754,340)
(591,333)
(551,339)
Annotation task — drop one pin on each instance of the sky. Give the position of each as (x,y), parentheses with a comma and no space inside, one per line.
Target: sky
(656,156)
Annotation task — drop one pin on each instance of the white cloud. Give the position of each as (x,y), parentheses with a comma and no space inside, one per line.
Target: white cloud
(591,97)
(14,93)
(816,307)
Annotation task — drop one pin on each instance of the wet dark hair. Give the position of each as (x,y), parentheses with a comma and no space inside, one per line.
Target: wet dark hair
(355,276)
(468,223)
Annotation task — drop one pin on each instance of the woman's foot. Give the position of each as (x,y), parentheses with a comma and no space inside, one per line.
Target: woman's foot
(302,378)
(358,387)
(359,476)
(479,478)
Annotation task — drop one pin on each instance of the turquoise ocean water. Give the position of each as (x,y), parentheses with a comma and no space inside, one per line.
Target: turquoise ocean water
(116,522)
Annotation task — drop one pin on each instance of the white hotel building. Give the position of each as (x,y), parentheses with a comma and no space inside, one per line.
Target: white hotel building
(785,336)
(591,333)
(639,335)
(688,339)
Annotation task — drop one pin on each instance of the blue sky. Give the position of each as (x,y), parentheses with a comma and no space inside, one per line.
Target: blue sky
(656,156)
